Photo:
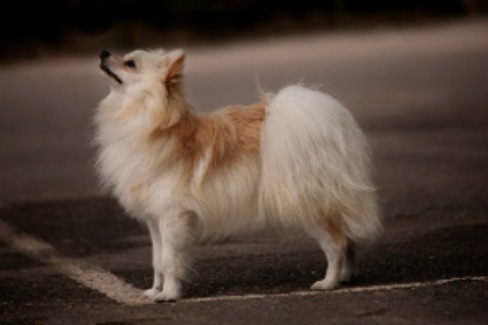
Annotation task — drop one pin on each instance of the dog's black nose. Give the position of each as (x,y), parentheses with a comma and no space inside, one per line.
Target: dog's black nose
(104,54)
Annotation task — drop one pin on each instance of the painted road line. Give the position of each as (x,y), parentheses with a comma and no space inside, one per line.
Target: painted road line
(385,287)
(88,275)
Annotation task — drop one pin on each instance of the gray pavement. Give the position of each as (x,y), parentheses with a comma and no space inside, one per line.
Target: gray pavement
(420,94)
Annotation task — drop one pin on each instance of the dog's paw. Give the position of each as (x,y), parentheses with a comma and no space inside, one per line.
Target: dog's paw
(163,296)
(151,293)
(324,285)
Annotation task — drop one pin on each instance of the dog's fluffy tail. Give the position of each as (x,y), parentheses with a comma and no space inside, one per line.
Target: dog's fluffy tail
(316,165)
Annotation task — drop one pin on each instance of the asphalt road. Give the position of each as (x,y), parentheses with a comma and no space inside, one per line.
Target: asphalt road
(421,95)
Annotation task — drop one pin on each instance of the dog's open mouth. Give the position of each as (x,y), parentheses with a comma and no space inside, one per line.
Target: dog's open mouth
(109,72)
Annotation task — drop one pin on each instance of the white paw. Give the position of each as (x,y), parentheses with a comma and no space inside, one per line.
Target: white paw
(162,296)
(151,293)
(324,285)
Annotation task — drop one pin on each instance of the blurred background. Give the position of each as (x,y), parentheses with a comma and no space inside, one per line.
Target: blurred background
(30,29)
(397,65)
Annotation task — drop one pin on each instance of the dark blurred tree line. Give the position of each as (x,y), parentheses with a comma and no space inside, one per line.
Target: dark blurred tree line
(54,24)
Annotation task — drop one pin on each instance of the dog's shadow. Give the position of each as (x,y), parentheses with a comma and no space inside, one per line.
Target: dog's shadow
(443,253)
(255,274)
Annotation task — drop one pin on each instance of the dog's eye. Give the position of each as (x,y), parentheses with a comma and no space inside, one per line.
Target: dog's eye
(130,63)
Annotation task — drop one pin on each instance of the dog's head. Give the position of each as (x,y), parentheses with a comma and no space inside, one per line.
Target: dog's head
(145,87)
(142,68)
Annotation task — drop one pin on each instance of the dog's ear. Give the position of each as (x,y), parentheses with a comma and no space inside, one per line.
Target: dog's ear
(174,71)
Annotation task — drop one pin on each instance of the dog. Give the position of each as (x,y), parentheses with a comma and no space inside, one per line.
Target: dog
(295,159)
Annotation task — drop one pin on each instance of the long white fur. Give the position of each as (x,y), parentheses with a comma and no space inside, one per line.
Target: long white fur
(315,162)
(313,166)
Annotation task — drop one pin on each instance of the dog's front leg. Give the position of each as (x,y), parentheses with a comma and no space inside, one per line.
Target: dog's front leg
(175,237)
(155,234)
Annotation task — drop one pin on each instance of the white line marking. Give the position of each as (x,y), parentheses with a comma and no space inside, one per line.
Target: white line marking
(98,279)
(383,287)
(90,276)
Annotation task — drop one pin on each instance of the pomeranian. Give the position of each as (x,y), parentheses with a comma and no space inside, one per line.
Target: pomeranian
(295,159)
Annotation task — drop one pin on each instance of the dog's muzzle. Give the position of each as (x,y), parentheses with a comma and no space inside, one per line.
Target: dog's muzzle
(104,55)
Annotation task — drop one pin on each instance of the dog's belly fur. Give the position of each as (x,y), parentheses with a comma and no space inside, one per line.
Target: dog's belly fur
(223,204)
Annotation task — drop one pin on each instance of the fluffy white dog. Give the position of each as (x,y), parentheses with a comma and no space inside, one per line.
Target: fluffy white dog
(296,159)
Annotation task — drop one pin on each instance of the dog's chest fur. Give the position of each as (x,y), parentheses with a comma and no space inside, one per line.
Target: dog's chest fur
(208,164)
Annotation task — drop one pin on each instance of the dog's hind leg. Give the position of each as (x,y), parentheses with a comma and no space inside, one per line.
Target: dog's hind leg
(333,243)
(349,269)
